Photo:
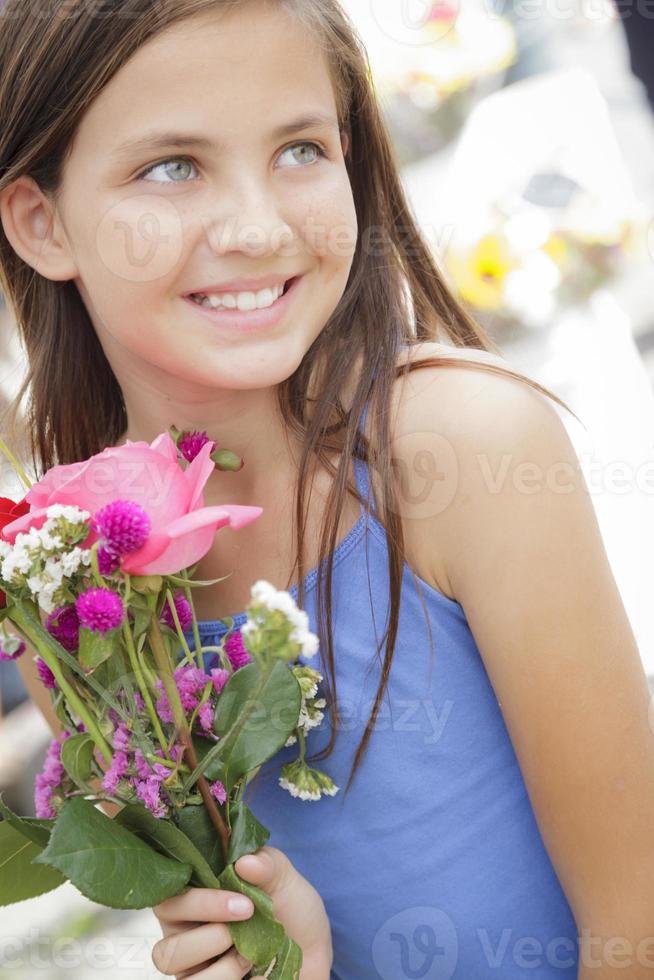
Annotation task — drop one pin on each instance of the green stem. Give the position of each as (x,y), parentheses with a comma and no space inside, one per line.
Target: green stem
(164,665)
(143,687)
(178,627)
(95,568)
(7,453)
(224,659)
(196,632)
(73,698)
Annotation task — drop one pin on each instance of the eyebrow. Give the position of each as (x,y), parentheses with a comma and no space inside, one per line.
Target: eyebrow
(160,140)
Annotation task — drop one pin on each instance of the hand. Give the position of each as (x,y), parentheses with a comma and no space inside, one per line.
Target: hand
(195,930)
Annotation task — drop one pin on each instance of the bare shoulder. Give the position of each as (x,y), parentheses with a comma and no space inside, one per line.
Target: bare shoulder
(460,433)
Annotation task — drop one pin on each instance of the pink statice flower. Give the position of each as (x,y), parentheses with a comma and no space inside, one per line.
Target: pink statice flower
(183,610)
(190,682)
(219,676)
(149,791)
(235,650)
(205,716)
(218,790)
(49,779)
(63,625)
(100,610)
(190,443)
(116,771)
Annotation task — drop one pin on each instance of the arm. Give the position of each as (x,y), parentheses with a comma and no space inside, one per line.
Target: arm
(526,560)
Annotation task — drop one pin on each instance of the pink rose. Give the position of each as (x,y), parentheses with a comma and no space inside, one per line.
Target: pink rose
(183,528)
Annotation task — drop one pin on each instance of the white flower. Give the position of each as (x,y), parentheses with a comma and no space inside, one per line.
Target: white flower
(294,790)
(72,560)
(72,514)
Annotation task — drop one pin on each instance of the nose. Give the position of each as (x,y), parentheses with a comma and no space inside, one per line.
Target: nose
(248,219)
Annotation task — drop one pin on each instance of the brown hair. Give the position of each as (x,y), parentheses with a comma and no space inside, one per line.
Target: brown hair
(53,63)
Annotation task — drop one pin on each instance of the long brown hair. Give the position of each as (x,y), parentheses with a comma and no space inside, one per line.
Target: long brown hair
(51,68)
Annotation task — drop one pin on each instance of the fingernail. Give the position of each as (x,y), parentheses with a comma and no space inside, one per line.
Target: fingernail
(242,961)
(239,906)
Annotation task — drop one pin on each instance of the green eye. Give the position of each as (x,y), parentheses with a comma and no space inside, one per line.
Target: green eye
(313,146)
(178,175)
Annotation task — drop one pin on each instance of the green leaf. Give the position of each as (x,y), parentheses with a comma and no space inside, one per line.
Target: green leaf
(202,747)
(77,758)
(261,938)
(19,878)
(146,584)
(249,721)
(95,648)
(247,834)
(288,963)
(194,821)
(35,830)
(167,839)
(142,619)
(25,614)
(108,863)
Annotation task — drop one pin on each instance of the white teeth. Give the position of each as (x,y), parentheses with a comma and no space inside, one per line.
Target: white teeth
(244,302)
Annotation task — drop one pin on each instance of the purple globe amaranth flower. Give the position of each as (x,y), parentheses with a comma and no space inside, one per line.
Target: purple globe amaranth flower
(107,562)
(190,444)
(123,525)
(183,610)
(63,625)
(235,650)
(12,648)
(45,675)
(100,610)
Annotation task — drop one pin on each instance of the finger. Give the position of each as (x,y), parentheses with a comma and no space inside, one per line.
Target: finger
(268,867)
(226,968)
(188,949)
(202,905)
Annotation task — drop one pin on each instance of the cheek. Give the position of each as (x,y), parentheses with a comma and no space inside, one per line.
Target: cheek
(327,223)
(138,240)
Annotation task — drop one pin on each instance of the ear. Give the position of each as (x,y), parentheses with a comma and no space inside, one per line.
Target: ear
(35,231)
(345,142)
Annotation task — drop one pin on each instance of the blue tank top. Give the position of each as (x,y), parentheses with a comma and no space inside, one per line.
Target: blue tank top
(433,866)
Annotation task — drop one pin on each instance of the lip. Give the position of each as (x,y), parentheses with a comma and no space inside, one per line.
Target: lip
(241,285)
(252,320)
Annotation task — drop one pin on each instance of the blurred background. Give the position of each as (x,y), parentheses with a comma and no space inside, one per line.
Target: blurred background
(525,134)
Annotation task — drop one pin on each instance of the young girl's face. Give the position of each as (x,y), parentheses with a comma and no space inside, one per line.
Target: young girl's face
(229,192)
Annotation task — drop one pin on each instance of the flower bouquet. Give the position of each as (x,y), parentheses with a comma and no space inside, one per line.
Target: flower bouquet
(96,572)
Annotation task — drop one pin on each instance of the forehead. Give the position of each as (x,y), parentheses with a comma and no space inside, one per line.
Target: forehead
(222,69)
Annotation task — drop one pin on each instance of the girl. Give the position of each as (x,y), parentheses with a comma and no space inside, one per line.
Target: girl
(167,166)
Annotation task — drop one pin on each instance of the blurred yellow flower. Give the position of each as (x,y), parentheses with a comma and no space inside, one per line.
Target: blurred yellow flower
(478,274)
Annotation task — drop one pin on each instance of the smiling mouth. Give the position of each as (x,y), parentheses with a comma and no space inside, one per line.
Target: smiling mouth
(206,303)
